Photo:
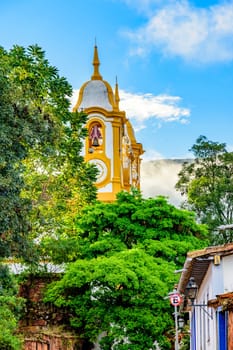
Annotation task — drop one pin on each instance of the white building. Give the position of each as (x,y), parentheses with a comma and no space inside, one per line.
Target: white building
(211,315)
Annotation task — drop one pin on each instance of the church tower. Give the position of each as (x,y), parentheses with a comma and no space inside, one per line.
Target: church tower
(111,143)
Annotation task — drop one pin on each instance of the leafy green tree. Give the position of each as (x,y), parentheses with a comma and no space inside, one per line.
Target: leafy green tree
(33,103)
(126,253)
(207,183)
(43,178)
(39,136)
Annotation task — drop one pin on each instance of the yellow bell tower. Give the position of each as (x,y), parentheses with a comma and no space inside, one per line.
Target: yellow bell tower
(111,143)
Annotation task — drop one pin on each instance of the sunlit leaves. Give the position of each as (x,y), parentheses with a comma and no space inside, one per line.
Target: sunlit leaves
(126,253)
(116,294)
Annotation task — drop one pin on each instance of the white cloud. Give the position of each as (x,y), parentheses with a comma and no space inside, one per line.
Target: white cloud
(179,29)
(159,178)
(151,154)
(142,107)
(230,148)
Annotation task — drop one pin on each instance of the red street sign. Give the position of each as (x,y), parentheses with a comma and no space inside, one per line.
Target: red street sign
(175,299)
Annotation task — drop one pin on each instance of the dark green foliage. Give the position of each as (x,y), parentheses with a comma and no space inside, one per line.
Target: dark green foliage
(126,253)
(40,144)
(208,184)
(13,224)
(10,309)
(32,100)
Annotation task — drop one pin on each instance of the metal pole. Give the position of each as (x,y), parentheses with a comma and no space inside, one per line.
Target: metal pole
(176,326)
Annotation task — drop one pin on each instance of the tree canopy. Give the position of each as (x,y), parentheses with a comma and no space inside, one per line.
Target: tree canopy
(207,182)
(124,258)
(38,140)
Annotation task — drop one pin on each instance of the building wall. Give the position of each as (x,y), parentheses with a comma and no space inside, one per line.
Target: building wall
(42,341)
(204,316)
(217,281)
(43,326)
(211,331)
(227,263)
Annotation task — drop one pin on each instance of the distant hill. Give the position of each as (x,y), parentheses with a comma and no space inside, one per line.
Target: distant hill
(158,177)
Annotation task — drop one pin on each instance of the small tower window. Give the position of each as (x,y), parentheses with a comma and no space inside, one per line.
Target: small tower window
(95,135)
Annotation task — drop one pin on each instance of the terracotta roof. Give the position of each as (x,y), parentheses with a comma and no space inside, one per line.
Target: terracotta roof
(212,250)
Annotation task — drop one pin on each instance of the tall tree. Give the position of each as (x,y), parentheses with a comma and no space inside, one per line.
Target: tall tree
(43,177)
(124,260)
(37,132)
(207,183)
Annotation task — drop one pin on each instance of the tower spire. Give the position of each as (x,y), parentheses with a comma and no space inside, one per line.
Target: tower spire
(117,98)
(96,75)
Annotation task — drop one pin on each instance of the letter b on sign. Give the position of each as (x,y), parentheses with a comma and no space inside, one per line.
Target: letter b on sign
(175,299)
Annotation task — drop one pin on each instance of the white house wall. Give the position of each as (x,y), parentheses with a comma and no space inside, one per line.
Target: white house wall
(227,263)
(205,326)
(217,280)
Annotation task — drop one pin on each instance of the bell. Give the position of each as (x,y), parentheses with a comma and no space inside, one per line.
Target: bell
(95,142)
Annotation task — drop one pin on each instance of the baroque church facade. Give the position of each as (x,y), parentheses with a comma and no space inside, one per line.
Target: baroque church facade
(111,144)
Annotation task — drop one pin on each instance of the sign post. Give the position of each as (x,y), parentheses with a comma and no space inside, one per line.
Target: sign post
(175,300)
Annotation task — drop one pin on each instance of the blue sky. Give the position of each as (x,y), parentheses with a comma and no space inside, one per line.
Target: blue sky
(173,60)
